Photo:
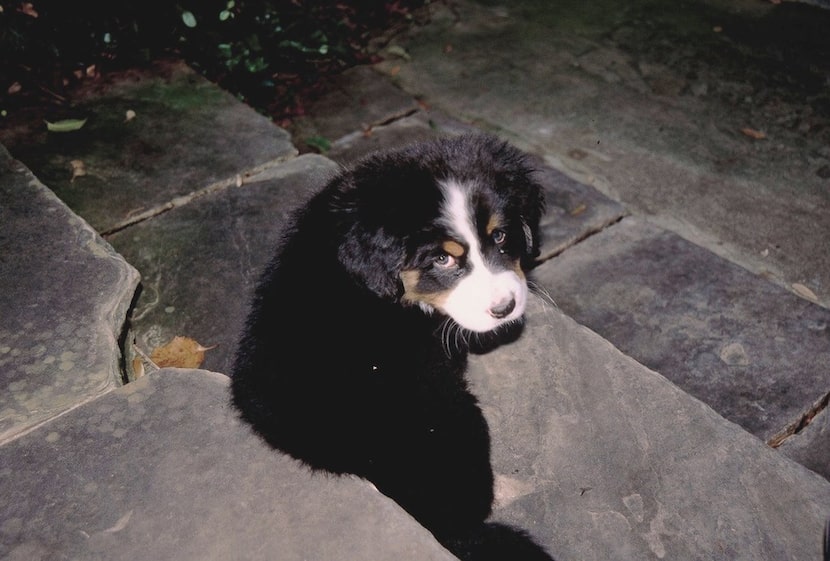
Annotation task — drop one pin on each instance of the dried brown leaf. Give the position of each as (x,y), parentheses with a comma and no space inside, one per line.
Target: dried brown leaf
(804,291)
(27,8)
(752,133)
(138,367)
(579,209)
(180,352)
(78,169)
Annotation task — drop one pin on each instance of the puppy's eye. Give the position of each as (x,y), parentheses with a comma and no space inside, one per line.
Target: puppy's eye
(444,260)
(499,236)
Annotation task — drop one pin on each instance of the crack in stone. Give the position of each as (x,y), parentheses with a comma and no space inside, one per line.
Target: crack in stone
(237,180)
(393,118)
(125,339)
(801,423)
(561,248)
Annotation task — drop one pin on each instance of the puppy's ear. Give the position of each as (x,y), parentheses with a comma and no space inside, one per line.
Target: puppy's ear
(374,258)
(515,173)
(369,250)
(532,210)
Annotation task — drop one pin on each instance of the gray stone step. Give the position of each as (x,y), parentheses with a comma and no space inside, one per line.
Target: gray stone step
(162,469)
(356,101)
(753,351)
(64,297)
(602,458)
(186,136)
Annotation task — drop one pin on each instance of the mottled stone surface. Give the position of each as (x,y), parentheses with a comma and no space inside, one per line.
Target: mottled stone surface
(163,469)
(199,263)
(574,211)
(601,458)
(753,351)
(186,135)
(64,296)
(420,125)
(355,100)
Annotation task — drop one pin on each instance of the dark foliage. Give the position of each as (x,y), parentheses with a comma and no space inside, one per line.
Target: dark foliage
(266,51)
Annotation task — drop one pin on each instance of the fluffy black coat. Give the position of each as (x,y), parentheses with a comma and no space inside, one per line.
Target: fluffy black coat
(337,371)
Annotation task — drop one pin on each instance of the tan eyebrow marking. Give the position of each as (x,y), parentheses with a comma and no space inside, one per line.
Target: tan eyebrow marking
(492,224)
(410,280)
(453,248)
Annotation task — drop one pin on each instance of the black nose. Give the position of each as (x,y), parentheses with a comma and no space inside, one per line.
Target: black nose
(503,309)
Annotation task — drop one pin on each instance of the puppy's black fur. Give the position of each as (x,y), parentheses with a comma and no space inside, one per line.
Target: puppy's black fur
(343,370)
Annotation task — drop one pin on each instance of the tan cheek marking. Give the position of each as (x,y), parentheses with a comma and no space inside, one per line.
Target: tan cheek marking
(412,295)
(453,248)
(517,267)
(410,280)
(492,224)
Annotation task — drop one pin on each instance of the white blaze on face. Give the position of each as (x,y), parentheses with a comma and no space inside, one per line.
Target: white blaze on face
(481,301)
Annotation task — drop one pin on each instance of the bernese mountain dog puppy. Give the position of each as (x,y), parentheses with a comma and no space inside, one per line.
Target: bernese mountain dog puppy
(353,356)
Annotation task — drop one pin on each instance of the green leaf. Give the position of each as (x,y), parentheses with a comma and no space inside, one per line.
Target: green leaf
(224,15)
(256,65)
(189,19)
(66,125)
(399,51)
(320,143)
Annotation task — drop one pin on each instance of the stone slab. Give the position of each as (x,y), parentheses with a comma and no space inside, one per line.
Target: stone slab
(162,469)
(200,262)
(601,458)
(421,125)
(753,351)
(64,296)
(356,100)
(186,135)
(574,211)
(648,102)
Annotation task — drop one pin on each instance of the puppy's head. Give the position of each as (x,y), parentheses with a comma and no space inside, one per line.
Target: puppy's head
(450,226)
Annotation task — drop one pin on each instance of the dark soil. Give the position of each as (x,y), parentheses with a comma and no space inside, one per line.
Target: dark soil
(273,54)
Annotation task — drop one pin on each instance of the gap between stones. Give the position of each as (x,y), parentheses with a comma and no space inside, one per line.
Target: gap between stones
(238,180)
(562,248)
(801,423)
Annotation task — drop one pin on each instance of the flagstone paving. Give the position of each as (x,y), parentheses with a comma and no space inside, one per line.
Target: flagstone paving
(629,422)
